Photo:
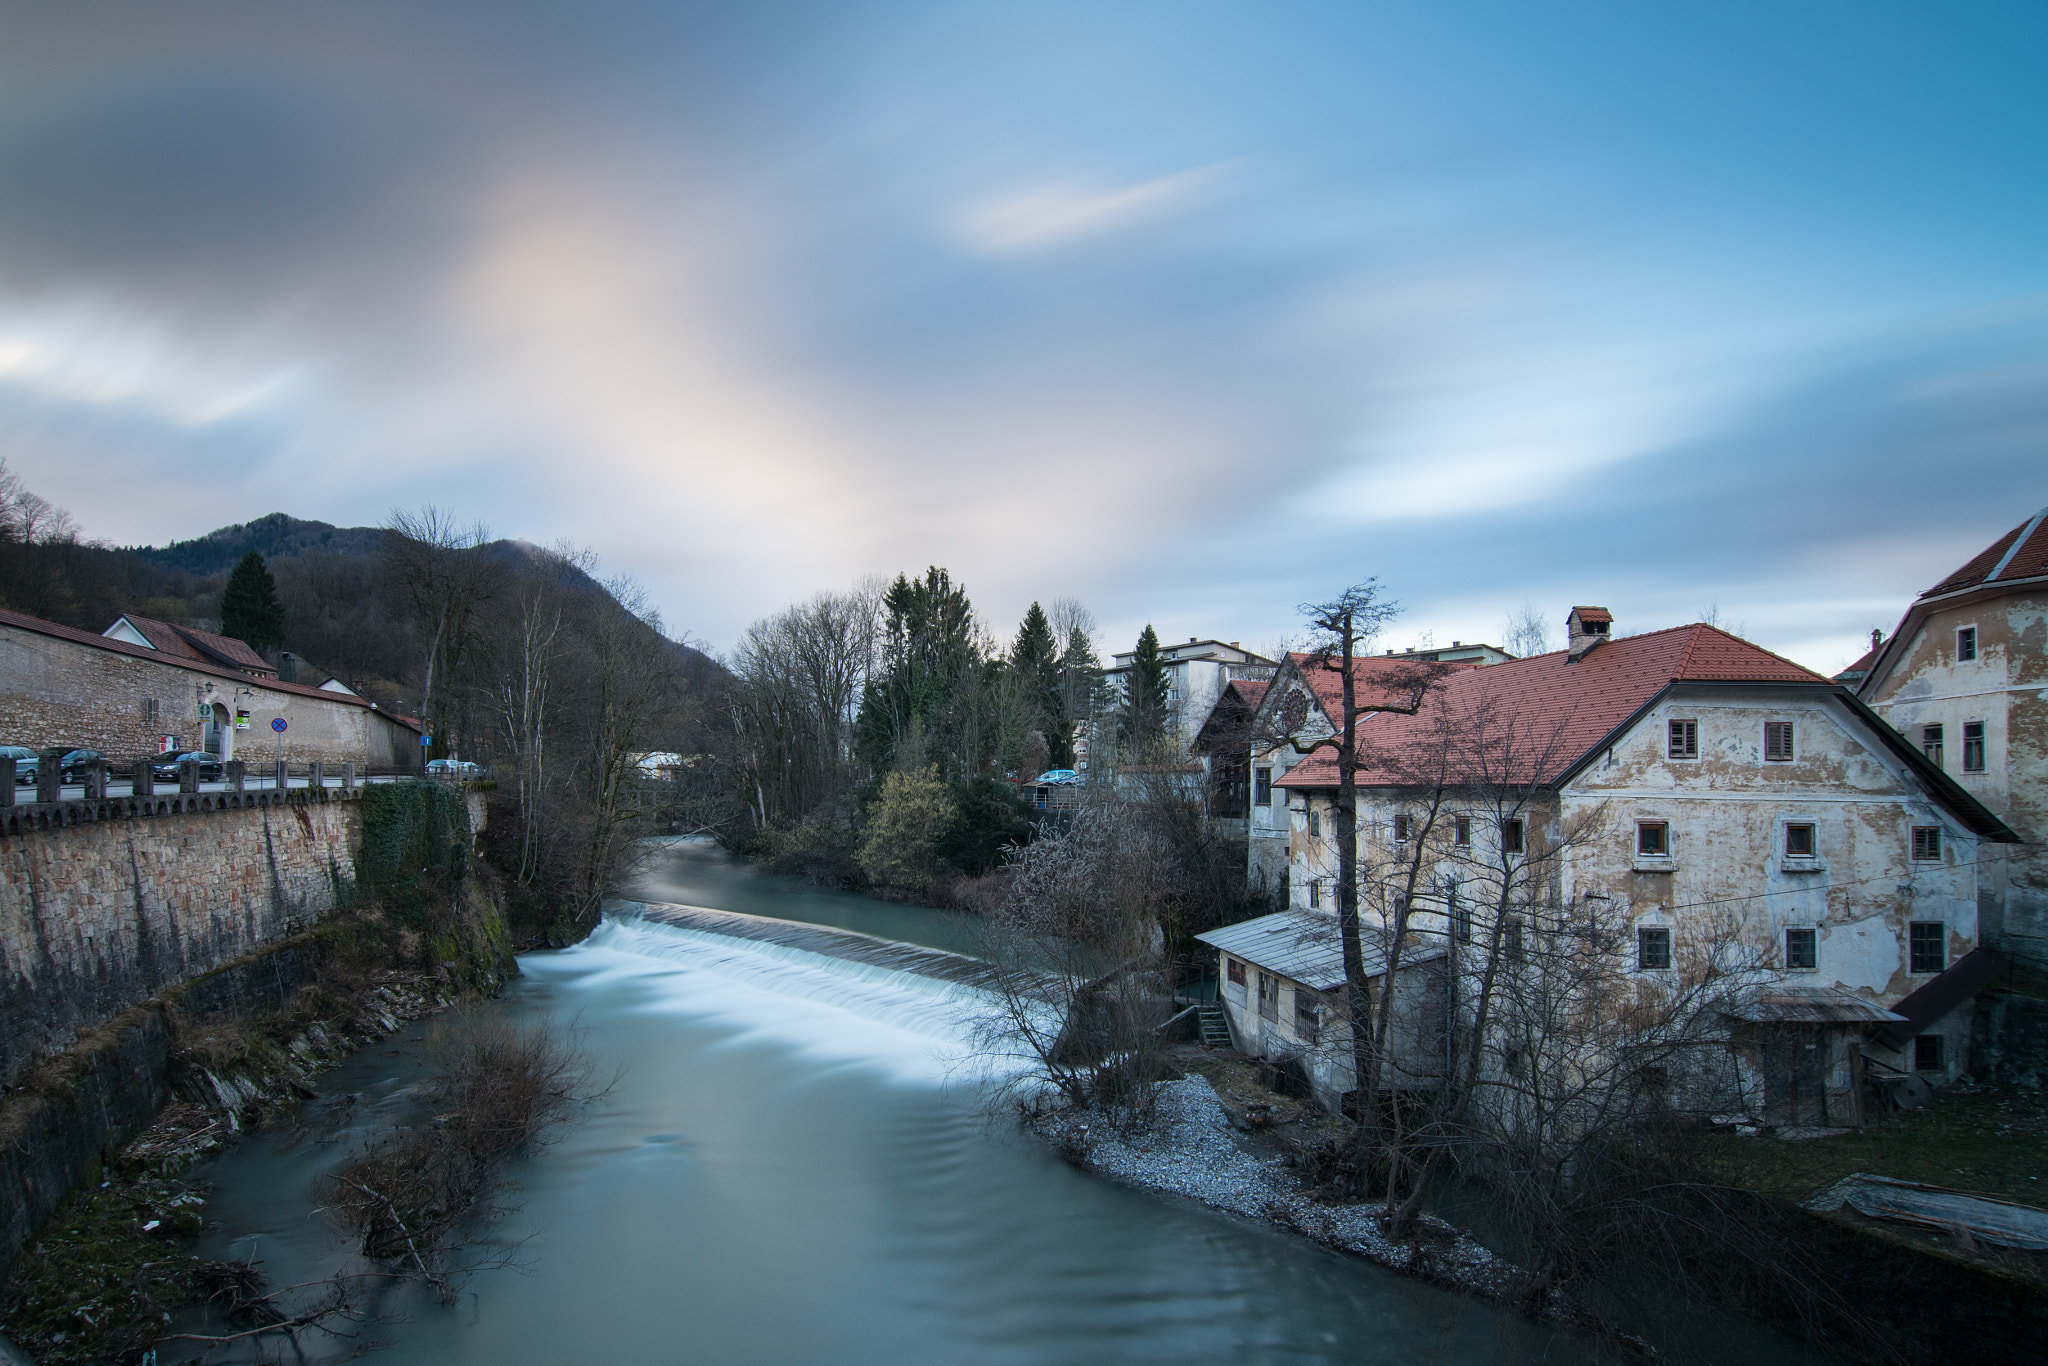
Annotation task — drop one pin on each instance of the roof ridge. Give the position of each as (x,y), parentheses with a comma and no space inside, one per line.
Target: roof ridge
(2027,530)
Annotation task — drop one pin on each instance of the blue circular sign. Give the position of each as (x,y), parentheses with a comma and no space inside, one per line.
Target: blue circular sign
(278,725)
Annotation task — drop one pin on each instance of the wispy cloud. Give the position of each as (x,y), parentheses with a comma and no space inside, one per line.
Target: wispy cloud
(1054,215)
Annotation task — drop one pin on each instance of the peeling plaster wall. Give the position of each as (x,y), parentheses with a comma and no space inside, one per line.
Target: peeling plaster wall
(97,917)
(1275,829)
(2006,688)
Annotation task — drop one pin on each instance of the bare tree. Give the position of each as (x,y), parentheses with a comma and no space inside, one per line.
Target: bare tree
(445,574)
(1525,632)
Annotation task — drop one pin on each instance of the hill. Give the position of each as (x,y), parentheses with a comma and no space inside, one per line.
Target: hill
(275,537)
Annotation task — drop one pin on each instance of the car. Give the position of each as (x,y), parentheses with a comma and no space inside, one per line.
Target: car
(453,768)
(1055,777)
(26,762)
(72,767)
(210,769)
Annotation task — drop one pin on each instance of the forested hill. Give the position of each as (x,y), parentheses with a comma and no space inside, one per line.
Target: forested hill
(343,614)
(274,537)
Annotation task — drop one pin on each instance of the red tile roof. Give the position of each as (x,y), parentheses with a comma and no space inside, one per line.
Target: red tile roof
(1559,711)
(1378,680)
(177,661)
(2021,553)
(188,643)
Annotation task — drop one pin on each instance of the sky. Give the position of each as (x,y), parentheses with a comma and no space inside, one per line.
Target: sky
(1191,311)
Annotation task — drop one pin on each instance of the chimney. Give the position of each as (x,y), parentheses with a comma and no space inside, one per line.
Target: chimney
(1585,628)
(287,667)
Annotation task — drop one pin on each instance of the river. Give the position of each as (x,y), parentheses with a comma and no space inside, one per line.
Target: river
(792,1168)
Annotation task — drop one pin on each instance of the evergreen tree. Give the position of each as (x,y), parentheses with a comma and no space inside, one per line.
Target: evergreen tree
(929,650)
(1035,658)
(250,609)
(1144,713)
(1080,679)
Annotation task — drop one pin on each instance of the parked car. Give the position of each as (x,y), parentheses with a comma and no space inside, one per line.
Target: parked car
(1056,777)
(453,768)
(72,768)
(26,762)
(210,767)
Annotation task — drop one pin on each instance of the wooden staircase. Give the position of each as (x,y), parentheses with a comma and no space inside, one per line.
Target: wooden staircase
(1215,1029)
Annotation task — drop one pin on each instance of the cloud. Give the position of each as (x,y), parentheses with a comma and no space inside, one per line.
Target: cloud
(1054,215)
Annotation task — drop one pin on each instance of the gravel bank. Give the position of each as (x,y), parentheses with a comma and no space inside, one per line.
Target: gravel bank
(1189,1148)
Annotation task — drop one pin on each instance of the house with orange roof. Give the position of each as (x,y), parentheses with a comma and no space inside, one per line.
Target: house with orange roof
(1964,678)
(1709,800)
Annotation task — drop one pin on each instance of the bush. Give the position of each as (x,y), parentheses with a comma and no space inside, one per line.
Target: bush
(988,818)
(905,826)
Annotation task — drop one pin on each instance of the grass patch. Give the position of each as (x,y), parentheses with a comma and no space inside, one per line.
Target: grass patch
(1993,1142)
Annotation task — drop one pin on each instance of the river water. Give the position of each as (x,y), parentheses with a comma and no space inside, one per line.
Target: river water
(793,1168)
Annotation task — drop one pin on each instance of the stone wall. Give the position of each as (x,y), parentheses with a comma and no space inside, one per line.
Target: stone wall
(96,917)
(64,694)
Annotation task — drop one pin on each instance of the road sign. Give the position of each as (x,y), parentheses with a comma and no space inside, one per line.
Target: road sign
(426,740)
(278,725)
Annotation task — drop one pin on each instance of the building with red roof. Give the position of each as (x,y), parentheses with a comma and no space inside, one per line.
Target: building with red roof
(1964,678)
(1698,797)
(145,687)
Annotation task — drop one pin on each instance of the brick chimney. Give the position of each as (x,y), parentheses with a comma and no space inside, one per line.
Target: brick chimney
(1585,628)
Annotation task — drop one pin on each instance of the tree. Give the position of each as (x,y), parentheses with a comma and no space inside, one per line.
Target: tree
(249,607)
(905,825)
(1144,710)
(1080,680)
(1525,632)
(928,646)
(1035,659)
(442,570)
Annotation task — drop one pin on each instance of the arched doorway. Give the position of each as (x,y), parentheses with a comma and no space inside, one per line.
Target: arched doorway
(220,732)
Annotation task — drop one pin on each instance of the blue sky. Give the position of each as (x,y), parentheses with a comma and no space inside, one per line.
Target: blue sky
(1190,311)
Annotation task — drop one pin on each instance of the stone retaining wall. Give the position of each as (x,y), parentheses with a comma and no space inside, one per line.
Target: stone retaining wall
(106,904)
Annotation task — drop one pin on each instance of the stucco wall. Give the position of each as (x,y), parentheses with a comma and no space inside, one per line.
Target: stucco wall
(2006,688)
(99,916)
(57,693)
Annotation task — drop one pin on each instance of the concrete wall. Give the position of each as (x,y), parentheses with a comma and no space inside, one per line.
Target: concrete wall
(2006,689)
(98,916)
(57,693)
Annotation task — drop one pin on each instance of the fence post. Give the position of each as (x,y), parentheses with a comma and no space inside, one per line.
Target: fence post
(236,772)
(188,775)
(282,776)
(316,773)
(348,776)
(7,776)
(49,776)
(96,780)
(142,779)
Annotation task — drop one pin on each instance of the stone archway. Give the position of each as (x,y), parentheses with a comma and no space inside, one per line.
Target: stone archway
(219,738)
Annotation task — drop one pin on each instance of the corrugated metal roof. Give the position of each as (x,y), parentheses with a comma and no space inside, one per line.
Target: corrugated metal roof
(1301,947)
(1812,1005)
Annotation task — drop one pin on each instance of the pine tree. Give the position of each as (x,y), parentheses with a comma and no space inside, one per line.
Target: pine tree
(1080,680)
(1144,714)
(1035,659)
(250,609)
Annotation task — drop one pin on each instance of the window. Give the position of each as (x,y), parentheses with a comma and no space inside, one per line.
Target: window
(150,712)
(1930,744)
(1264,793)
(1269,997)
(1685,740)
(1461,920)
(1802,950)
(1461,832)
(1973,746)
(1307,1019)
(1799,841)
(1653,839)
(1927,946)
(1511,1061)
(1315,824)
(1926,844)
(1927,1054)
(1315,892)
(1400,829)
(1511,938)
(1511,837)
(1653,948)
(1778,742)
(1235,969)
(1966,644)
